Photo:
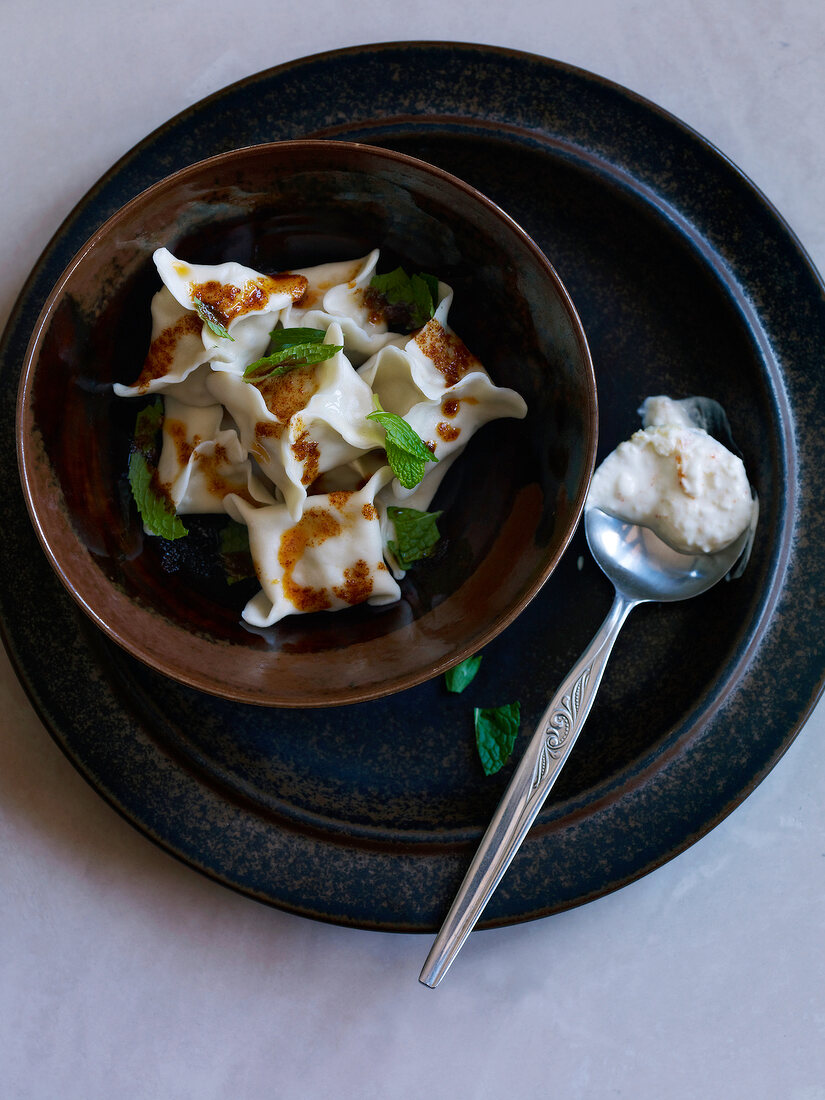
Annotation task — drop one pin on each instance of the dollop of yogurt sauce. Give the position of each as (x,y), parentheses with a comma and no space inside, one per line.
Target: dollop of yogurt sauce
(675,478)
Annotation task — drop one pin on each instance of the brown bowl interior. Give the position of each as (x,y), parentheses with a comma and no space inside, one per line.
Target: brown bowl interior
(510,505)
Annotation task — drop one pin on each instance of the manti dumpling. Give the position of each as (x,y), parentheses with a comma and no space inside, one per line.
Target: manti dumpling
(238,300)
(331,558)
(303,423)
(200,463)
(175,352)
(339,293)
(443,392)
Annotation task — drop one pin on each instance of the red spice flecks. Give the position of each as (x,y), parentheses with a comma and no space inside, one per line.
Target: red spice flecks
(447,352)
(308,453)
(215,467)
(357,585)
(314,527)
(680,474)
(368,511)
(264,430)
(286,394)
(223,302)
(176,430)
(162,350)
(448,432)
(339,498)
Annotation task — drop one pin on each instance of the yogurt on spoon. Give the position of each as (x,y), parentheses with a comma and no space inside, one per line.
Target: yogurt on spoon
(675,478)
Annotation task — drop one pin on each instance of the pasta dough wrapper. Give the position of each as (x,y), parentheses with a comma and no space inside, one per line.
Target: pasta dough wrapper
(244,301)
(304,423)
(175,351)
(200,464)
(331,558)
(335,294)
(443,392)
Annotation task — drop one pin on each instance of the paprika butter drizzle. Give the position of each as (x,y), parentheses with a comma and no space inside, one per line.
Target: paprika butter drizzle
(211,464)
(314,527)
(449,408)
(284,395)
(396,316)
(447,432)
(448,352)
(161,352)
(307,452)
(223,302)
(184,447)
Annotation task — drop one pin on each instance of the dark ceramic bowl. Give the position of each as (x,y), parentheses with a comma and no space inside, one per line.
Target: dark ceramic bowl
(510,505)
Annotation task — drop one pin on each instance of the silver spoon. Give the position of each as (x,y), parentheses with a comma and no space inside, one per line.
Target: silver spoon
(642,568)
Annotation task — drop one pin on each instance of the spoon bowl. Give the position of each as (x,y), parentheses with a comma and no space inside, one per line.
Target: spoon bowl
(643,569)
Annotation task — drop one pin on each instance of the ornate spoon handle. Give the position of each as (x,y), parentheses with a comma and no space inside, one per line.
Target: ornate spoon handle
(540,765)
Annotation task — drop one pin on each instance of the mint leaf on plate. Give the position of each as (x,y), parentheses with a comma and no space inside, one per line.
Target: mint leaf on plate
(281,338)
(460,676)
(496,730)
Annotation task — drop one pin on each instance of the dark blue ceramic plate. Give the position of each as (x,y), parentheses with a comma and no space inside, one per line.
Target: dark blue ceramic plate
(687,282)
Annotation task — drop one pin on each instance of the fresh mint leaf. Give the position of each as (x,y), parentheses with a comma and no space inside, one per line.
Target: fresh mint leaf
(234,537)
(407,453)
(416,534)
(147,425)
(401,434)
(281,338)
(156,510)
(432,286)
(410,299)
(235,553)
(212,323)
(407,468)
(289,355)
(460,676)
(496,730)
(424,302)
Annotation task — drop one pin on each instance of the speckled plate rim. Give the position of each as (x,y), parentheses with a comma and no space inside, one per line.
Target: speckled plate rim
(788,612)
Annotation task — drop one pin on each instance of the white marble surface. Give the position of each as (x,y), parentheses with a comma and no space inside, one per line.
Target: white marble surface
(124,973)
